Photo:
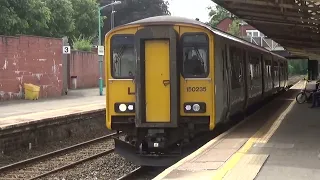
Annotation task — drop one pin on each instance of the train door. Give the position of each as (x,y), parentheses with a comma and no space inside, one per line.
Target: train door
(157,77)
(157,80)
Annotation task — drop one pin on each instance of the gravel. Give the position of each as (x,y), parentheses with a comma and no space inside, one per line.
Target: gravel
(111,166)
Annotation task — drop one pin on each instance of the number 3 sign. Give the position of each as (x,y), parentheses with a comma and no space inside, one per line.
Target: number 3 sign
(66,50)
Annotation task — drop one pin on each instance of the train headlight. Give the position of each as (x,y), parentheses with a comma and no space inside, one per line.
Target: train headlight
(123,107)
(194,107)
(130,107)
(188,107)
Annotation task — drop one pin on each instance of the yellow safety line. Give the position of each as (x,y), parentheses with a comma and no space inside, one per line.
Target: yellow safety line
(235,158)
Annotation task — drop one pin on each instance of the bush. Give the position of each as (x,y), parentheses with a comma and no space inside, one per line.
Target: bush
(82,44)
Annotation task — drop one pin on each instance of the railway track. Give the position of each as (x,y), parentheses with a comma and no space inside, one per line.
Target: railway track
(59,160)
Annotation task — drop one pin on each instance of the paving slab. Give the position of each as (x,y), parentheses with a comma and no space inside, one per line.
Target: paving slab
(74,98)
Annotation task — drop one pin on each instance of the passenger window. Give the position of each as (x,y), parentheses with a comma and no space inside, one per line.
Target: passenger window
(251,71)
(123,56)
(268,68)
(276,69)
(256,65)
(195,55)
(236,66)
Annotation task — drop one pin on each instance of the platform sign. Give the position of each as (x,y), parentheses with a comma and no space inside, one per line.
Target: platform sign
(66,50)
(100,50)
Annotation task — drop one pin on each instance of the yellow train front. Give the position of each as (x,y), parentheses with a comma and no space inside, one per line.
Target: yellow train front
(159,86)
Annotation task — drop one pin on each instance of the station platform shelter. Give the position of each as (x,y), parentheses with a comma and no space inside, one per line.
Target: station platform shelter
(279,141)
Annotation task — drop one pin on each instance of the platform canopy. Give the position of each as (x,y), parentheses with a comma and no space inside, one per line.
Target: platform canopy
(294,24)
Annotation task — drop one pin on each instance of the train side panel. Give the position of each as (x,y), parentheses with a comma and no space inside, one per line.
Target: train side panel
(236,77)
(276,78)
(220,79)
(282,73)
(267,75)
(254,80)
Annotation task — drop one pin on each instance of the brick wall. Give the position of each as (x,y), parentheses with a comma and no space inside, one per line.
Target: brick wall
(85,66)
(30,59)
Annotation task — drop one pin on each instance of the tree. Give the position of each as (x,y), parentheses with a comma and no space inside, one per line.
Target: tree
(53,18)
(217,15)
(132,10)
(23,17)
(86,18)
(234,27)
(62,21)
(73,18)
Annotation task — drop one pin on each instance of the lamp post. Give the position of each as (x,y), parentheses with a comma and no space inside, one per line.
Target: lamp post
(99,43)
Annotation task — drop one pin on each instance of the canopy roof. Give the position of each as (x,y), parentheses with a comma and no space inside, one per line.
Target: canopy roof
(294,24)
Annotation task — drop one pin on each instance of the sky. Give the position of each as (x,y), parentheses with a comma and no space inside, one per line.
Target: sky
(190,8)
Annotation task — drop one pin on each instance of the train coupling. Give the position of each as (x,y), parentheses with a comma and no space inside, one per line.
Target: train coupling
(133,154)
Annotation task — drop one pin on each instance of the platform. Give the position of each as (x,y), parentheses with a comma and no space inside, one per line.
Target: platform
(279,141)
(22,112)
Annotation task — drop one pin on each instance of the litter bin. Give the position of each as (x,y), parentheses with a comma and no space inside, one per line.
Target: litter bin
(31,91)
(74,82)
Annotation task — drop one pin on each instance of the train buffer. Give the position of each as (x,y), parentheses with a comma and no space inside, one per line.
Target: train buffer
(279,141)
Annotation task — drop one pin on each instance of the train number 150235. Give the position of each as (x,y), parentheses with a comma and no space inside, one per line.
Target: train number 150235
(196,89)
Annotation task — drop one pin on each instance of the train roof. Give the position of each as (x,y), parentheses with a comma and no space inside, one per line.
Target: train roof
(166,19)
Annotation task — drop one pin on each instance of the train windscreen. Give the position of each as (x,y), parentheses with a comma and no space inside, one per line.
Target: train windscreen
(123,56)
(195,55)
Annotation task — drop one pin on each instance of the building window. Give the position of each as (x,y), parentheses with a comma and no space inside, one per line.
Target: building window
(254,33)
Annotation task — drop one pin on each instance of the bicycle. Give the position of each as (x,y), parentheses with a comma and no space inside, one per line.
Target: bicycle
(305,95)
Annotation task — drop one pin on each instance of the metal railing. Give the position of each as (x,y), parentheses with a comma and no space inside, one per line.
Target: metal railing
(264,42)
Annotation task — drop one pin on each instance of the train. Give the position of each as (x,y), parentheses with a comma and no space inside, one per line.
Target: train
(170,78)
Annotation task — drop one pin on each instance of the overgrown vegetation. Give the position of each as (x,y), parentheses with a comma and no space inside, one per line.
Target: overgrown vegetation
(217,14)
(82,43)
(234,28)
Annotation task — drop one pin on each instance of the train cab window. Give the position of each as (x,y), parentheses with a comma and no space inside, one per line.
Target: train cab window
(195,55)
(123,56)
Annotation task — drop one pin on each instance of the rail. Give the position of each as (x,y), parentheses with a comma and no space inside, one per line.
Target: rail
(59,160)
